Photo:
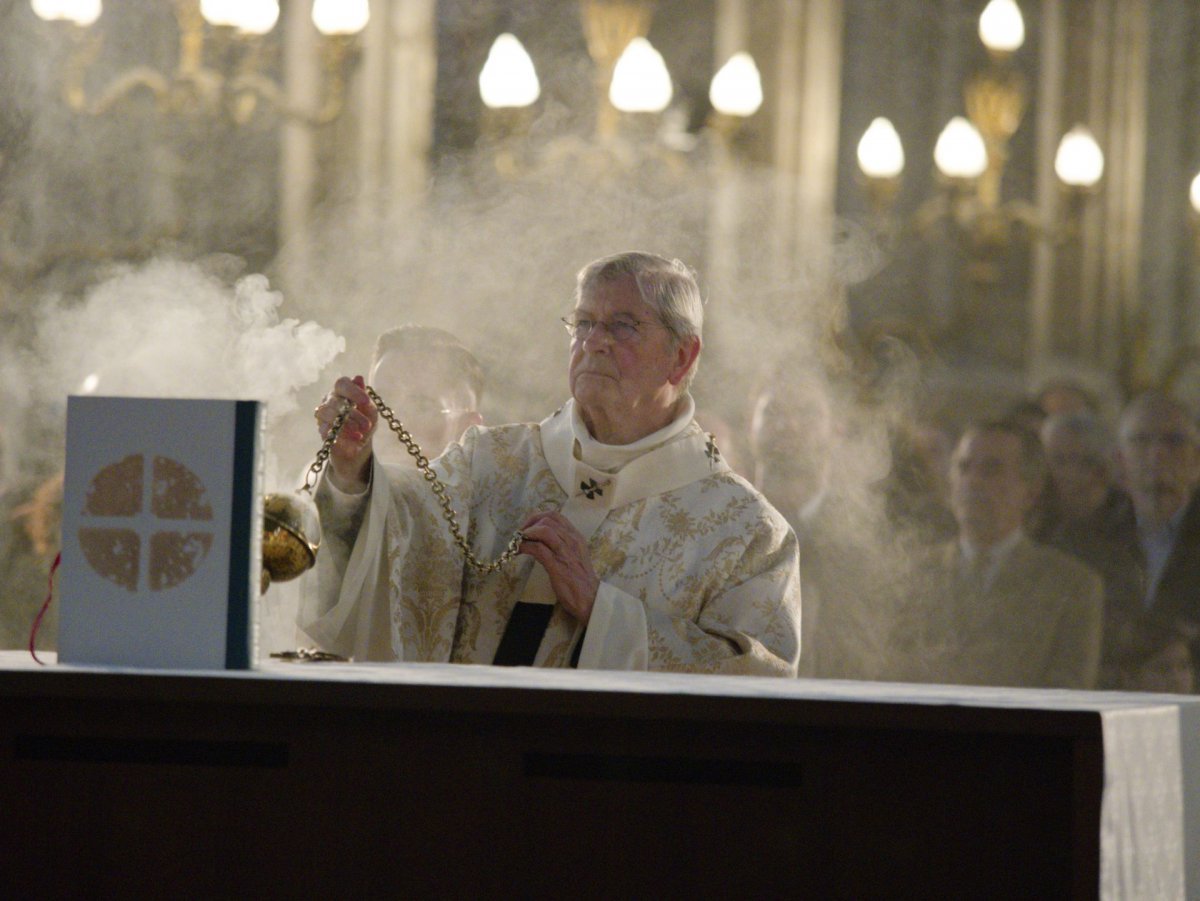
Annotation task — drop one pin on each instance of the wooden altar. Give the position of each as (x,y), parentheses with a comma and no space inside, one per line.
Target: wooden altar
(440,781)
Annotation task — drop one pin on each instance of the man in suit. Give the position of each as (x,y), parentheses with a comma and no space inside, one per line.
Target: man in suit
(1158,455)
(991,607)
(1089,515)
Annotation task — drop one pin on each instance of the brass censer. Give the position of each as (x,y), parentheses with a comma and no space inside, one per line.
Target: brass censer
(292,526)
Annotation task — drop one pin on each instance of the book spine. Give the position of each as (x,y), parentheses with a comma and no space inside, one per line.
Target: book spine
(244,538)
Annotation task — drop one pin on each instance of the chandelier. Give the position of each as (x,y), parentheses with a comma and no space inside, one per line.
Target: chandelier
(631,78)
(220,59)
(972,152)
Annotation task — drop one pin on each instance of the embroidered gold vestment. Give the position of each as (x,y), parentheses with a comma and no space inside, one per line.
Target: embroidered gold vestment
(698,572)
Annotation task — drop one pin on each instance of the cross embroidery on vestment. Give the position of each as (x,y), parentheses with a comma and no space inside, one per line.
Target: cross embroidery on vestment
(591,489)
(711,450)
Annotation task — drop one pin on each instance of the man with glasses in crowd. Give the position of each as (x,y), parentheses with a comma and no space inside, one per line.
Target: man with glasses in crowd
(640,549)
(1158,455)
(1086,512)
(991,606)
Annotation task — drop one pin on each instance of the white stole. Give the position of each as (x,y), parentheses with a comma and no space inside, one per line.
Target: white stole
(686,455)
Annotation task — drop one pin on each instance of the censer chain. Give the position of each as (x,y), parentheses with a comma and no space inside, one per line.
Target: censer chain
(435,484)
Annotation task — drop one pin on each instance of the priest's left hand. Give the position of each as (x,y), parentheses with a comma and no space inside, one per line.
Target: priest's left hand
(552,541)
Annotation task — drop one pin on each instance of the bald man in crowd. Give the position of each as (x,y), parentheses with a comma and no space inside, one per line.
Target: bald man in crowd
(1158,456)
(434,383)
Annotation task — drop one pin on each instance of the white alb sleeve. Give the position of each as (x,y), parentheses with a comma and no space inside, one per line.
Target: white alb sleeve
(616,635)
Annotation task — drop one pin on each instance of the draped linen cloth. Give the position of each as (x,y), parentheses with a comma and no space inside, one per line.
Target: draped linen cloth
(698,572)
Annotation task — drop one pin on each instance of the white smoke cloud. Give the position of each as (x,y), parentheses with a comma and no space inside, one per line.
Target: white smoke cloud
(172,329)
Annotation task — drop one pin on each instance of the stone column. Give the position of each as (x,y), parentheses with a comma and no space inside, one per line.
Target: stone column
(395,107)
(379,148)
(298,151)
(773,182)
(1086,302)
(805,88)
(725,213)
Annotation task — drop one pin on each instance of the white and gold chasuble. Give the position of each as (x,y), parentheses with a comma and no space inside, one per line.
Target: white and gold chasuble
(698,572)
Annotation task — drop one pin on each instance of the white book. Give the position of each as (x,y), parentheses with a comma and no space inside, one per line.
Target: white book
(162,533)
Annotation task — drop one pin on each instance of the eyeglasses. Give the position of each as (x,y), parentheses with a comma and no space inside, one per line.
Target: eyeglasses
(620,330)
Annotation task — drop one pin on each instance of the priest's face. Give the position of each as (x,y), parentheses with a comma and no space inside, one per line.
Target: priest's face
(625,380)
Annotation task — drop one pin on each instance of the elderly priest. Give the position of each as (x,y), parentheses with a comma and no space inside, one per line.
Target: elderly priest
(639,547)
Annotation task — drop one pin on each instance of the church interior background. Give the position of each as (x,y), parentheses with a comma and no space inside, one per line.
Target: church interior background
(364,174)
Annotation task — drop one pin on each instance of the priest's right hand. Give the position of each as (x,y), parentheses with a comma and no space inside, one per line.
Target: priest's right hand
(350,456)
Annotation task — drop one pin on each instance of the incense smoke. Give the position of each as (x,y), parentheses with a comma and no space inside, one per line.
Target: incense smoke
(175,329)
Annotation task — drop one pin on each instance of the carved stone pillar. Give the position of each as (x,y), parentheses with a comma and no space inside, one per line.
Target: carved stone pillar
(772,185)
(379,148)
(803,77)
(395,107)
(1087,304)
(298,154)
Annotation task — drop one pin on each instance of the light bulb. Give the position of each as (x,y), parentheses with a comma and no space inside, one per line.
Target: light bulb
(258,16)
(880,153)
(736,89)
(340,16)
(1079,161)
(81,12)
(960,151)
(640,82)
(1001,27)
(220,12)
(508,78)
